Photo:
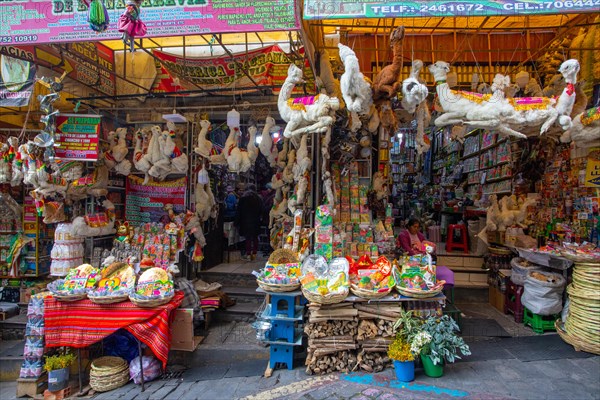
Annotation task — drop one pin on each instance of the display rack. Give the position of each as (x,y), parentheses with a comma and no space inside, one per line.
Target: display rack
(37,252)
(487,164)
(285,334)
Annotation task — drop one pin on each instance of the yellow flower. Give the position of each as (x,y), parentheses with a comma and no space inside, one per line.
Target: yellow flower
(399,350)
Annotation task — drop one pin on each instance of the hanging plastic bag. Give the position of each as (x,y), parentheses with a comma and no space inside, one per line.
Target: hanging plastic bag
(152,369)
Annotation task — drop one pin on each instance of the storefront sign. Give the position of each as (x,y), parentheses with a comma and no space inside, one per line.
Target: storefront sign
(146,202)
(92,64)
(17,79)
(267,66)
(77,137)
(592,171)
(45,21)
(343,9)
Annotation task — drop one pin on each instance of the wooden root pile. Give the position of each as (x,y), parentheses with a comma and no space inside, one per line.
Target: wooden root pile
(375,334)
(347,337)
(331,331)
(373,361)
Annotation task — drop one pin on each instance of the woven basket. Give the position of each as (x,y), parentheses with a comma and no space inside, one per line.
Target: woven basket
(327,299)
(581,259)
(108,365)
(278,288)
(500,251)
(108,299)
(368,294)
(109,382)
(421,294)
(579,345)
(283,256)
(69,297)
(149,303)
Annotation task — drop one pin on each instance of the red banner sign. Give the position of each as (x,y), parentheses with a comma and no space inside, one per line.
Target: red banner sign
(266,66)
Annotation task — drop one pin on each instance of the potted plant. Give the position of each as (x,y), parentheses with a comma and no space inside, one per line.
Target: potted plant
(443,346)
(404,360)
(58,367)
(402,351)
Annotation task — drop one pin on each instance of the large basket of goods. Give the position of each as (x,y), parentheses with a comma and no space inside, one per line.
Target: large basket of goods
(587,253)
(324,283)
(154,288)
(116,283)
(520,268)
(279,277)
(108,373)
(417,278)
(76,285)
(371,280)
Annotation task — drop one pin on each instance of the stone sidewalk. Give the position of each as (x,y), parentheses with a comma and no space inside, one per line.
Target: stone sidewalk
(569,378)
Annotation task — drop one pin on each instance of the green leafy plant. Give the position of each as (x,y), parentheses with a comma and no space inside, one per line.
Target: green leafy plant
(58,361)
(445,343)
(407,326)
(399,350)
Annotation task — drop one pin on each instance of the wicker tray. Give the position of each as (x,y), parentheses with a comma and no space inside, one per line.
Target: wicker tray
(580,259)
(108,299)
(149,303)
(368,294)
(108,365)
(270,287)
(109,382)
(69,297)
(578,344)
(500,250)
(327,299)
(421,294)
(283,256)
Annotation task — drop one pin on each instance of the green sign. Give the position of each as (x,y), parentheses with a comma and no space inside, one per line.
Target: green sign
(344,9)
(77,137)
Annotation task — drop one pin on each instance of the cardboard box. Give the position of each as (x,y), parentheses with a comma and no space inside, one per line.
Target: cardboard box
(26,293)
(182,331)
(496,298)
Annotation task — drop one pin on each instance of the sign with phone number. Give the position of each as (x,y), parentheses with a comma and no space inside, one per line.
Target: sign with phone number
(345,9)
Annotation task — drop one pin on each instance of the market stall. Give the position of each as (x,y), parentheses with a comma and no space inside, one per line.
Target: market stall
(135,153)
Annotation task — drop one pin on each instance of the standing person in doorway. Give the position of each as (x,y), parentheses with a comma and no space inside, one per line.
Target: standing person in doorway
(248,220)
(410,240)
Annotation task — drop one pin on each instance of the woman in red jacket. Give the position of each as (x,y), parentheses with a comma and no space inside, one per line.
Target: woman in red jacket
(410,240)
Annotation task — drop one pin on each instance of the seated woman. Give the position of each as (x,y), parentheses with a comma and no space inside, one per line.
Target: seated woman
(411,240)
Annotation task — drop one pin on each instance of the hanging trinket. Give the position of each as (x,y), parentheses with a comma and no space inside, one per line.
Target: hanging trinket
(130,23)
(98,16)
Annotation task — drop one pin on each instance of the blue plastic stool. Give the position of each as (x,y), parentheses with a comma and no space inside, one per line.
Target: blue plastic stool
(281,353)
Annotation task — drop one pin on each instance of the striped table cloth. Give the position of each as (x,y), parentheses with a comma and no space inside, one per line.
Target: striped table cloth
(82,323)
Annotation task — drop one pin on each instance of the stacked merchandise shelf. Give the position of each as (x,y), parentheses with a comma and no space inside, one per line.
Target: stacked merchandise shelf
(564,198)
(353,233)
(446,158)
(37,252)
(403,164)
(487,164)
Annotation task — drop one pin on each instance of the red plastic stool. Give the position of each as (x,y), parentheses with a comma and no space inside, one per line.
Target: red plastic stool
(462,238)
(512,300)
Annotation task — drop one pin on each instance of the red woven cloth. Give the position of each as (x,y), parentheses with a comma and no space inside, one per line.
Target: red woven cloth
(82,323)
